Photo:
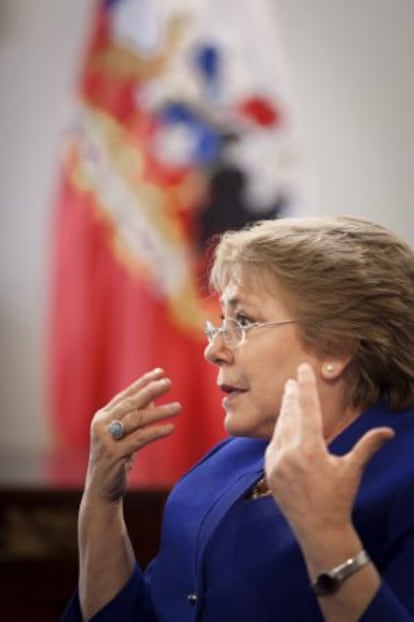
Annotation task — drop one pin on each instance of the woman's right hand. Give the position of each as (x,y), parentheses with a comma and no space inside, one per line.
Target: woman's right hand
(110,460)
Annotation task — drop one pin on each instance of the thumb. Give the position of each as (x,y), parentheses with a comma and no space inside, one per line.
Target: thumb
(370,443)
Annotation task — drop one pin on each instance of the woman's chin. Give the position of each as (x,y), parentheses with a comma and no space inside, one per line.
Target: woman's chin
(237,424)
(233,426)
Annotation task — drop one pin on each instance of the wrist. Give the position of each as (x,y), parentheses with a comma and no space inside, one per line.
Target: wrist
(95,508)
(328,548)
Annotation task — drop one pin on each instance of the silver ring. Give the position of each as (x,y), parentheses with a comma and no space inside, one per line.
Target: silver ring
(116,429)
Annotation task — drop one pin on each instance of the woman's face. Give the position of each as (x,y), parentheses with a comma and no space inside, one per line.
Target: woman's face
(252,376)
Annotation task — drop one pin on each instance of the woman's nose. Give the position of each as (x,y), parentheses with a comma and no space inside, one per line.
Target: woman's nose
(217,351)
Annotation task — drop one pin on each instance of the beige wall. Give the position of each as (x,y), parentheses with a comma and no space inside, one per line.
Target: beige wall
(352,70)
(350,66)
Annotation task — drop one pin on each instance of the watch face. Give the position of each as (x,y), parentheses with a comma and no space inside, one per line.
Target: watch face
(326,584)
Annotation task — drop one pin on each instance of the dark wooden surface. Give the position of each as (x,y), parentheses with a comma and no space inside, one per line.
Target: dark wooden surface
(38,548)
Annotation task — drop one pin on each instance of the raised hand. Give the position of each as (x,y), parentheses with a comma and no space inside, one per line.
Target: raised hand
(110,460)
(314,488)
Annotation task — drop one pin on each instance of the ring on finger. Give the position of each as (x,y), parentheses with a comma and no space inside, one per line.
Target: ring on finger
(116,429)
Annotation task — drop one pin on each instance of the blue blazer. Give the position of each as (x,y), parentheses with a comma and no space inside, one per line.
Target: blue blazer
(226,558)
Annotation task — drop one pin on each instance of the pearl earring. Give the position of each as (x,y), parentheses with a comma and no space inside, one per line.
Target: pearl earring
(329,368)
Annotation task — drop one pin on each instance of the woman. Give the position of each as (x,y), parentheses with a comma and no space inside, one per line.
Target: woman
(306,511)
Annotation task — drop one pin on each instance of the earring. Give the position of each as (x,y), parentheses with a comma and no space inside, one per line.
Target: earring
(329,368)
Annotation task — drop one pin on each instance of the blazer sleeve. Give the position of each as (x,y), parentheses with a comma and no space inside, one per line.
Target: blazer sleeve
(395,598)
(132,603)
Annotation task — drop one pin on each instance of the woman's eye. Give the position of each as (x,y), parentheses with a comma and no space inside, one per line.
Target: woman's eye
(243,320)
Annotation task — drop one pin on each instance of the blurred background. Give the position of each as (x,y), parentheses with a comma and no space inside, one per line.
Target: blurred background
(349,67)
(118,161)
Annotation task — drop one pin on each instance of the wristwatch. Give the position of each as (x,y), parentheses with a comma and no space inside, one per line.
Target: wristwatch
(329,581)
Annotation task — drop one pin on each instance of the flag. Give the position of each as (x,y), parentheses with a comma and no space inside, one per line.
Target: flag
(182,127)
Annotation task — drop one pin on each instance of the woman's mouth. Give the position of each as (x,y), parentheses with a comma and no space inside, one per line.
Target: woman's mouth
(232,393)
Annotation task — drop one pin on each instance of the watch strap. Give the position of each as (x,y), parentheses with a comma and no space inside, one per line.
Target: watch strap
(328,581)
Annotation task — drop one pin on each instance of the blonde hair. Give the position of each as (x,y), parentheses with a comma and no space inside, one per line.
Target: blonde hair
(351,283)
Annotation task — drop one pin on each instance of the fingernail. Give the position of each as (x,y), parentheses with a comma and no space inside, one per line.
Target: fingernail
(157,370)
(167,428)
(304,368)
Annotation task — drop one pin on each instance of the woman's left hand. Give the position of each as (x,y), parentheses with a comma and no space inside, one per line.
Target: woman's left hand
(314,488)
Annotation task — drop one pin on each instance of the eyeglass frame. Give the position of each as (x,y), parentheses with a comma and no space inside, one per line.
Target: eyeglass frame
(211,330)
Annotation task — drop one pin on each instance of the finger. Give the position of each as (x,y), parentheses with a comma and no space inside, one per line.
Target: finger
(142,399)
(144,436)
(141,418)
(137,385)
(287,421)
(310,407)
(368,445)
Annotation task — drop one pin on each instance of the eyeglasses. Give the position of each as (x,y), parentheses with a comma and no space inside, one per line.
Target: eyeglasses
(234,334)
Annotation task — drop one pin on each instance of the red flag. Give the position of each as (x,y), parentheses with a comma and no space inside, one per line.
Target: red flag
(150,171)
